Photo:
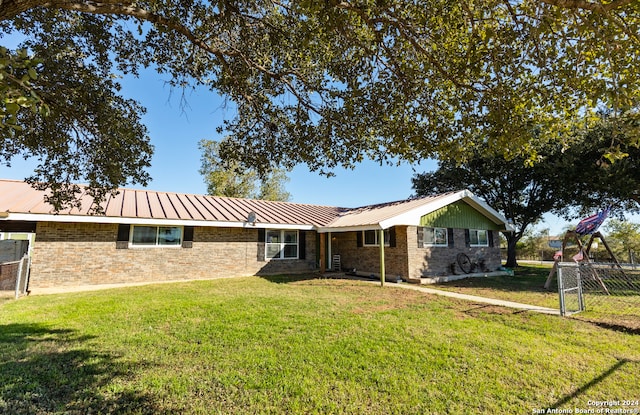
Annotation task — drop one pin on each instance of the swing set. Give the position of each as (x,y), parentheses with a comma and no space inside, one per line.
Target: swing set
(587,226)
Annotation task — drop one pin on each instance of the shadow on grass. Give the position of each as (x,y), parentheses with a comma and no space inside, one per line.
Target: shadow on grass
(585,388)
(622,327)
(45,370)
(289,278)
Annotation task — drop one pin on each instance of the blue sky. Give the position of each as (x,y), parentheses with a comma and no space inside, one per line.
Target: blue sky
(176,129)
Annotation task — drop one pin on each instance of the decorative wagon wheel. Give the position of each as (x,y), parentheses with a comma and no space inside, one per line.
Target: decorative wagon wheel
(464,263)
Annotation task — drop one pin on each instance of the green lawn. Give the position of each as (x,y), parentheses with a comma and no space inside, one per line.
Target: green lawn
(527,286)
(254,345)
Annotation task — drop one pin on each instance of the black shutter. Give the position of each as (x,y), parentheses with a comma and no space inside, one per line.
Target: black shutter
(359,239)
(122,242)
(420,237)
(450,240)
(261,257)
(467,238)
(187,237)
(490,237)
(302,244)
(392,237)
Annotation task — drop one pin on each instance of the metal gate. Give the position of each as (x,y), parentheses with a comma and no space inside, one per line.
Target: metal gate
(14,275)
(570,289)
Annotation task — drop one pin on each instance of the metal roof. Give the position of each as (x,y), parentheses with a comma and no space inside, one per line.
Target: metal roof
(375,214)
(408,212)
(20,197)
(20,201)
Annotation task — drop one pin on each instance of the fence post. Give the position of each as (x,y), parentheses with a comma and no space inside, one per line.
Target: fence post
(561,292)
(18,277)
(580,298)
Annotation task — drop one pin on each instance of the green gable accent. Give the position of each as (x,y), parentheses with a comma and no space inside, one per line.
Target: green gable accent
(458,215)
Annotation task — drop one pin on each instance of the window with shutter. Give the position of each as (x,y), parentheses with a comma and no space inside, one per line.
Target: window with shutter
(281,244)
(436,236)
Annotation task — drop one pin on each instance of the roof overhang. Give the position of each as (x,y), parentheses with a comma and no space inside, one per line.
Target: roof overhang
(147,221)
(371,227)
(412,217)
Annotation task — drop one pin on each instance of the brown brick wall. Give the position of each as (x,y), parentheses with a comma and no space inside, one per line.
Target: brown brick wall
(367,258)
(435,261)
(406,259)
(68,254)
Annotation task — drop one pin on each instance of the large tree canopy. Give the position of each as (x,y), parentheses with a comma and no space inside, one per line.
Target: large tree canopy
(325,83)
(594,177)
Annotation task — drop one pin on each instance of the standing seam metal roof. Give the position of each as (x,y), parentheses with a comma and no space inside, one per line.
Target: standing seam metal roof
(20,197)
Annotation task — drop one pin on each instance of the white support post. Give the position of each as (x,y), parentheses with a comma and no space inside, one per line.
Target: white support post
(381,242)
(330,260)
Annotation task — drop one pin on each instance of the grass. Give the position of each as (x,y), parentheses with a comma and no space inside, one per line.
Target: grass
(6,296)
(527,286)
(283,345)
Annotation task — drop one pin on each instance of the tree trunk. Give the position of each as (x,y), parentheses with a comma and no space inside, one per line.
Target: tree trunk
(511,250)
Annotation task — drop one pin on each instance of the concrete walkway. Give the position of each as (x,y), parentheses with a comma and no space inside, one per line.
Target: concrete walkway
(477,299)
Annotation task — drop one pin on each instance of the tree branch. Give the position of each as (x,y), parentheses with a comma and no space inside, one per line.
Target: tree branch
(588,5)
(410,36)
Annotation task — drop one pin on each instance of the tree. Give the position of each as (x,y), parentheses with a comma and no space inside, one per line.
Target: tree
(593,177)
(228,179)
(272,186)
(17,72)
(325,83)
(521,192)
(77,125)
(535,245)
(623,238)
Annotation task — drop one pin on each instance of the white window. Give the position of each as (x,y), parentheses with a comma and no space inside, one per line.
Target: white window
(370,238)
(435,237)
(478,237)
(281,244)
(156,235)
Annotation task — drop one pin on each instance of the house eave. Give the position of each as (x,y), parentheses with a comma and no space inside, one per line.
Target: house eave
(147,221)
(337,229)
(412,217)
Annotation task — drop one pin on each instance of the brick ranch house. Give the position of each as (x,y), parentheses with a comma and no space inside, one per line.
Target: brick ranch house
(147,236)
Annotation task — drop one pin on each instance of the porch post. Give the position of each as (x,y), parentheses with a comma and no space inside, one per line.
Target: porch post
(322,249)
(329,257)
(381,241)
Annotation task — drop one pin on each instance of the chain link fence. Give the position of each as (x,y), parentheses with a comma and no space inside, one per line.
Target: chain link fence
(602,292)
(14,276)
